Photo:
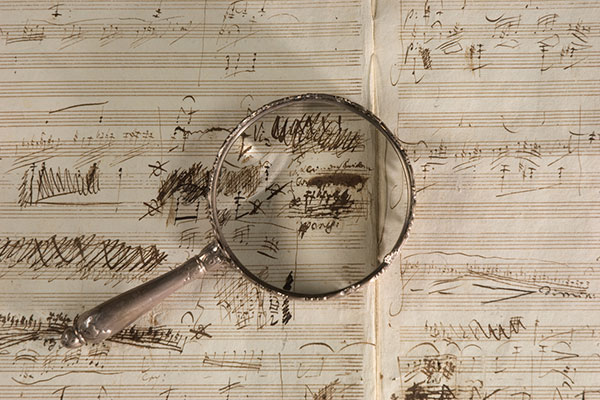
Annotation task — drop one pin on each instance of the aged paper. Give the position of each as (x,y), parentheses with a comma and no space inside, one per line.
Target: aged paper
(495,294)
(111,115)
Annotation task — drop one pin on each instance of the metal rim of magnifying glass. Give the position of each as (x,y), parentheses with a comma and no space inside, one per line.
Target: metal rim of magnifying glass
(267,109)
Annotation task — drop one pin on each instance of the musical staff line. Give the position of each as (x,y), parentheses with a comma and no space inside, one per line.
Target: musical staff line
(174,88)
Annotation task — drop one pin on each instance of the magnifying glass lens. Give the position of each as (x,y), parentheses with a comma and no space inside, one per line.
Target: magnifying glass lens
(311,197)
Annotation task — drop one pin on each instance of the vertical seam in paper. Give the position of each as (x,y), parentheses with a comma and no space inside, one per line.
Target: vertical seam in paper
(374,106)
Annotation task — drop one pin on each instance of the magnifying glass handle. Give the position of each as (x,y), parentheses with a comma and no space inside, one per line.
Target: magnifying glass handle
(110,317)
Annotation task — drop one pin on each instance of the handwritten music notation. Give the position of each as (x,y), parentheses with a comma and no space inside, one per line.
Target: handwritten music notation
(530,40)
(111,116)
(112,113)
(496,104)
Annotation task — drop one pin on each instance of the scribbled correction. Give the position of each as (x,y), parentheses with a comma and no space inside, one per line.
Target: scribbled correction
(43,183)
(79,257)
(315,133)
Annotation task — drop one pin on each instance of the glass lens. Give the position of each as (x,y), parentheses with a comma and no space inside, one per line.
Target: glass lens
(311,198)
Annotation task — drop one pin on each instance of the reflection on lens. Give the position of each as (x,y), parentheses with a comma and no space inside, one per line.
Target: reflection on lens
(307,196)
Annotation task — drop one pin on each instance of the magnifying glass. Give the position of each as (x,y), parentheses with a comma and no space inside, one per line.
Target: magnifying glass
(310,197)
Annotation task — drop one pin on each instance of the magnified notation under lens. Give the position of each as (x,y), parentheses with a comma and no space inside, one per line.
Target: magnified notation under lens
(307,195)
